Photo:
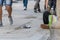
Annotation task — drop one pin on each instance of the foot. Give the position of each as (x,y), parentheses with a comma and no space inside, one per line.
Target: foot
(39,10)
(11,20)
(25,8)
(35,10)
(1,24)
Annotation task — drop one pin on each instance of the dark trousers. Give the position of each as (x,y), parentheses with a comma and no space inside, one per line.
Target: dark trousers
(52,3)
(37,6)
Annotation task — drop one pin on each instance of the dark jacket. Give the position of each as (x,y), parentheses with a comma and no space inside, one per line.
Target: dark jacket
(46,17)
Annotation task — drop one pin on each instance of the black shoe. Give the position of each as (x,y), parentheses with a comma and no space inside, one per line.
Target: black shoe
(25,9)
(35,10)
(39,10)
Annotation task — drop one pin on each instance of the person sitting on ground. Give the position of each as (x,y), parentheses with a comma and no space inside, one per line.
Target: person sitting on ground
(46,18)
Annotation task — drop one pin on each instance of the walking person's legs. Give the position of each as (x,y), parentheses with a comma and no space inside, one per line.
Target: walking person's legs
(25,3)
(46,4)
(37,6)
(54,6)
(1,4)
(0,15)
(9,10)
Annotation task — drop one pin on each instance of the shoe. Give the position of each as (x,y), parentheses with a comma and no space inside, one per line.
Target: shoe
(1,24)
(35,10)
(39,10)
(11,20)
(25,8)
(44,26)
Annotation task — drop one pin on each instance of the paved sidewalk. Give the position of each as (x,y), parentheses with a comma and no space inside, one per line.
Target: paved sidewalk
(15,32)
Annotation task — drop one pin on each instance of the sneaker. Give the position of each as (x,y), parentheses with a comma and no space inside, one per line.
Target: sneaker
(25,8)
(11,20)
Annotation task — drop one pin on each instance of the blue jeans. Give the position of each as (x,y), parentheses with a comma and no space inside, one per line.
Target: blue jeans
(25,2)
(6,2)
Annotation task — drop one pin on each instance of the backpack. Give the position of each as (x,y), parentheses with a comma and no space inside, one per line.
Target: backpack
(46,17)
